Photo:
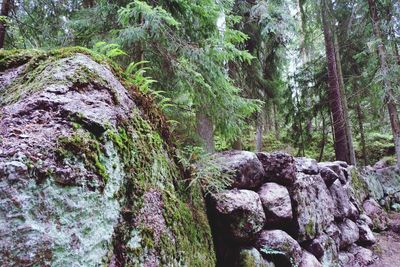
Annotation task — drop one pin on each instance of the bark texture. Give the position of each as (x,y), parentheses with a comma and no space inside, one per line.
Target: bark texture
(340,137)
(389,93)
(5,9)
(205,130)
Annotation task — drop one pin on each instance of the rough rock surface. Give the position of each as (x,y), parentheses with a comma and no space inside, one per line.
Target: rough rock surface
(239,214)
(313,206)
(341,201)
(248,172)
(279,167)
(306,165)
(309,260)
(278,242)
(349,233)
(319,215)
(325,249)
(84,173)
(276,203)
(251,257)
(376,213)
(365,232)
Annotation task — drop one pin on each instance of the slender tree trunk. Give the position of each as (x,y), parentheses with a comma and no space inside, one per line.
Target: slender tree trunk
(349,132)
(323,141)
(5,9)
(340,139)
(88,3)
(259,131)
(389,93)
(361,129)
(205,130)
(276,123)
(237,144)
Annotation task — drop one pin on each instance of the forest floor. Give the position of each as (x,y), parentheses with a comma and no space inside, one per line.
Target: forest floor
(388,244)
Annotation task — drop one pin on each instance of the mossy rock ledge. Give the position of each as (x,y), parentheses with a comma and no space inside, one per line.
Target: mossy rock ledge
(87,175)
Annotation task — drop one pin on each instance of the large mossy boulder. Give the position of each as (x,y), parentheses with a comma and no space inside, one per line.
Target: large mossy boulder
(87,173)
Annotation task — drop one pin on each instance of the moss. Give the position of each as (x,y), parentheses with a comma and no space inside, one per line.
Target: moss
(147,157)
(309,229)
(87,148)
(359,186)
(247,260)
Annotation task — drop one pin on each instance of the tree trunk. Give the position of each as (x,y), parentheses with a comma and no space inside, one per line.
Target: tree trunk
(340,139)
(276,123)
(349,132)
(5,9)
(361,129)
(237,144)
(323,141)
(88,3)
(389,93)
(259,131)
(205,130)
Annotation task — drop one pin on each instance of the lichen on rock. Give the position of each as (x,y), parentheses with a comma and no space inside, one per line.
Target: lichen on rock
(88,175)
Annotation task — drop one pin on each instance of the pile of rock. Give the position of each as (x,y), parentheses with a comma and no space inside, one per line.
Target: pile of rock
(285,211)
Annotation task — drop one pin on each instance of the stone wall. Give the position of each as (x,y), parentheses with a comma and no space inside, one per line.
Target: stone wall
(286,211)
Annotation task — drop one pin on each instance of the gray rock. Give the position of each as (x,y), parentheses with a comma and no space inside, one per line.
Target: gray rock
(334,232)
(347,259)
(366,219)
(328,175)
(68,115)
(309,260)
(354,214)
(366,235)
(337,168)
(324,249)
(279,167)
(349,233)
(251,257)
(377,215)
(341,200)
(276,203)
(307,165)
(358,186)
(313,206)
(362,256)
(239,214)
(277,242)
(247,170)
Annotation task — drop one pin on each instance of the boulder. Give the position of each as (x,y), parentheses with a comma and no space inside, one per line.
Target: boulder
(358,186)
(354,214)
(239,214)
(328,175)
(306,165)
(278,242)
(247,171)
(309,260)
(313,206)
(378,216)
(86,177)
(366,235)
(341,201)
(362,256)
(340,171)
(333,232)
(251,257)
(366,219)
(279,167)
(349,233)
(276,203)
(347,259)
(324,249)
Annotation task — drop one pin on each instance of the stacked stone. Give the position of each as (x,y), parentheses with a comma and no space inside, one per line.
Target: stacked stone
(285,211)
